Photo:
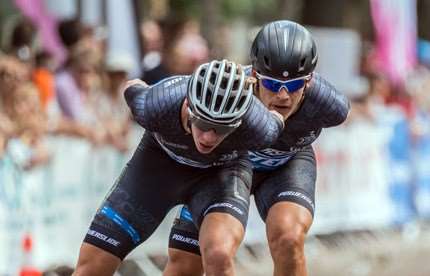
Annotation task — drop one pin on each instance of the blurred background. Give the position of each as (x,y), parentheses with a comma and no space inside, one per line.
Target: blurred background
(65,131)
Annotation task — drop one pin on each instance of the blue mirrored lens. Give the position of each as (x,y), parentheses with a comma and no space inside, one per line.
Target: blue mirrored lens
(275,86)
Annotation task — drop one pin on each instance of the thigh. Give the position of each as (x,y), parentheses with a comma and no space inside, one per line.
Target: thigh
(223,190)
(293,182)
(184,234)
(138,202)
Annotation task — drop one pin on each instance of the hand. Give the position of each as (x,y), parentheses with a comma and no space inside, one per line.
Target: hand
(134,82)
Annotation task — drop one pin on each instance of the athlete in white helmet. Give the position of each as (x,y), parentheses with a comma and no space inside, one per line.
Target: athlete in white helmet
(194,152)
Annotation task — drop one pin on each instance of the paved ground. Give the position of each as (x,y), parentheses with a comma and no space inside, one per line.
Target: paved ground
(386,253)
(382,253)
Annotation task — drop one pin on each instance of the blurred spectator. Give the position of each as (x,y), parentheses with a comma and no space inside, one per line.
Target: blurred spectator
(153,68)
(23,122)
(7,130)
(74,84)
(43,78)
(183,48)
(112,110)
(71,31)
(418,86)
(188,51)
(25,110)
(423,49)
(12,72)
(152,39)
(22,40)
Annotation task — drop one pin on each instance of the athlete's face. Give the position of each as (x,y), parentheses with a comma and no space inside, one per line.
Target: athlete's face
(206,141)
(283,101)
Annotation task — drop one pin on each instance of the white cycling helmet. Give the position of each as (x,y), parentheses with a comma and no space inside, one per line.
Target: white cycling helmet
(219,92)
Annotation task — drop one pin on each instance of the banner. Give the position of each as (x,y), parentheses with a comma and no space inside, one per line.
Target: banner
(395,23)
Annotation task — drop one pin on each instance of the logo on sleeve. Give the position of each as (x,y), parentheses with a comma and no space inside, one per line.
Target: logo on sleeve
(307,139)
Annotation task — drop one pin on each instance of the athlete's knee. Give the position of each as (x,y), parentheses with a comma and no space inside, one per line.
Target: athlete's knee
(220,236)
(183,263)
(87,267)
(288,241)
(84,268)
(218,257)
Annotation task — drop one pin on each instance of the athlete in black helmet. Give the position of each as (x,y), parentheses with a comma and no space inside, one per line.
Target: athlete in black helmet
(194,152)
(283,59)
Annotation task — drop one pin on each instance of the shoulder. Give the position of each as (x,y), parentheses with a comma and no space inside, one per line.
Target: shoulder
(324,101)
(172,82)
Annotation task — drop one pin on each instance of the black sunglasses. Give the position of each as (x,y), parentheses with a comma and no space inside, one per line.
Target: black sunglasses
(205,125)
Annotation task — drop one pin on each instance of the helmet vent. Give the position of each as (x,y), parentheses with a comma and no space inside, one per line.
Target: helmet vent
(266,62)
(302,64)
(212,78)
(199,90)
(242,100)
(228,68)
(229,103)
(202,73)
(208,98)
(236,85)
(223,84)
(218,102)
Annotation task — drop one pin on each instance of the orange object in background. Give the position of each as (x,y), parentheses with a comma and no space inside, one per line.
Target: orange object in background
(45,83)
(27,268)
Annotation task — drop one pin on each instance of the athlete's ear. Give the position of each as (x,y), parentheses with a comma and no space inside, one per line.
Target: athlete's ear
(254,73)
(186,102)
(308,81)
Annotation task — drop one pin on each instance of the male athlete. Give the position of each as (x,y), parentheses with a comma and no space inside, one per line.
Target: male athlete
(194,152)
(283,57)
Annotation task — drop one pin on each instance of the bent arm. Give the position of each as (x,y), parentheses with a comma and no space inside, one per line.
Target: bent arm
(332,105)
(136,97)
(153,106)
(262,127)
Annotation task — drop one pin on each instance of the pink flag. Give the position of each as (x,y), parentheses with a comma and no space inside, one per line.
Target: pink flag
(396,36)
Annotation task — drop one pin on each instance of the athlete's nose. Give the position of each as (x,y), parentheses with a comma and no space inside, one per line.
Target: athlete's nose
(283,93)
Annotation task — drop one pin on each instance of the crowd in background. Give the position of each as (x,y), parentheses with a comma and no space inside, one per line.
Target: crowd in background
(81,96)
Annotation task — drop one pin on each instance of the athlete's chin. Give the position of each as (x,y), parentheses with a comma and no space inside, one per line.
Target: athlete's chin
(284,111)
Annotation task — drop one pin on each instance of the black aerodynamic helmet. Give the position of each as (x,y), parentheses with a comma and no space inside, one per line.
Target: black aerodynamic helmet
(284,49)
